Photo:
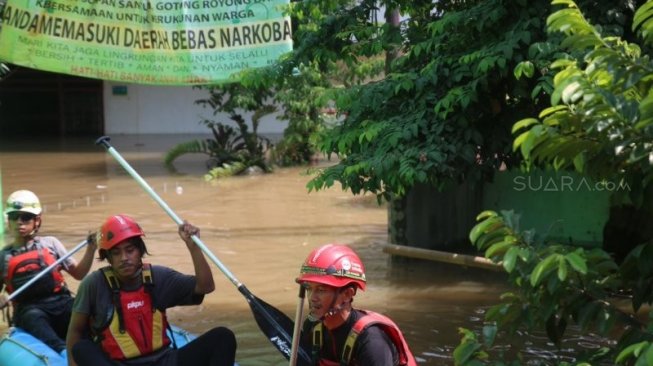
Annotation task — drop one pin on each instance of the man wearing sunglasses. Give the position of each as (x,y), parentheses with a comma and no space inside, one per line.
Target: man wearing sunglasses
(44,308)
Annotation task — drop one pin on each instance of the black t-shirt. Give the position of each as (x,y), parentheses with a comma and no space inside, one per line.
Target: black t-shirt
(170,289)
(373,346)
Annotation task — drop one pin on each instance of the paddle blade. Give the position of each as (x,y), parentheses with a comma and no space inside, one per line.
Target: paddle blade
(276,326)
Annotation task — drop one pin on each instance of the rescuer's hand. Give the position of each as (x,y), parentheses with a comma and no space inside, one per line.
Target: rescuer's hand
(4,300)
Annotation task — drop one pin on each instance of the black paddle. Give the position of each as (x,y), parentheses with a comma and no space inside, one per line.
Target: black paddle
(276,325)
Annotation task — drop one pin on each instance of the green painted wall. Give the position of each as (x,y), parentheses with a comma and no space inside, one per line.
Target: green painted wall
(562,204)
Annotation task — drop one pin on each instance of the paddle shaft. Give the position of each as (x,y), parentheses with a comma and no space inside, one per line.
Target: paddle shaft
(46,270)
(299,315)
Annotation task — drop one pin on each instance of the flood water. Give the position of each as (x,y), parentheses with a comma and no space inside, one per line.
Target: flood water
(260,227)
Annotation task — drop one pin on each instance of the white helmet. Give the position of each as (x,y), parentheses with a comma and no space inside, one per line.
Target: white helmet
(23,201)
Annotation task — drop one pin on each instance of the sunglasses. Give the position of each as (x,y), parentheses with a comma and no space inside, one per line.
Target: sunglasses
(23,216)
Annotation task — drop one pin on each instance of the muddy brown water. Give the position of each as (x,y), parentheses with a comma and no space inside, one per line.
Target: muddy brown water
(260,227)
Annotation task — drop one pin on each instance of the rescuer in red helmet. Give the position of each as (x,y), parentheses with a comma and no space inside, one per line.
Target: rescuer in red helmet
(44,307)
(123,306)
(335,332)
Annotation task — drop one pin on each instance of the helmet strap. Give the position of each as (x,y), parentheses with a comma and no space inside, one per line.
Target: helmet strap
(37,226)
(334,308)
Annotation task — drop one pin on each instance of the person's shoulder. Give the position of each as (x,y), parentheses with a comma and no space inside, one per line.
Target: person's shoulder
(374,329)
(48,241)
(94,276)
(159,271)
(158,268)
(370,322)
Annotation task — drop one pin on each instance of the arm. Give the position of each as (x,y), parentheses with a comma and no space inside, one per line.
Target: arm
(79,270)
(76,328)
(203,273)
(4,296)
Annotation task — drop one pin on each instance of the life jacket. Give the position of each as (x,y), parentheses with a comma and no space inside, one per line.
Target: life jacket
(369,318)
(20,266)
(137,327)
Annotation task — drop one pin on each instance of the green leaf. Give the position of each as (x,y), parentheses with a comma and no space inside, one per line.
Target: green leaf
(643,21)
(464,352)
(519,140)
(542,269)
(510,259)
(562,269)
(530,141)
(569,94)
(551,110)
(633,350)
(562,63)
(492,238)
(648,356)
(483,227)
(489,334)
(524,68)
(577,262)
(569,3)
(526,122)
(501,247)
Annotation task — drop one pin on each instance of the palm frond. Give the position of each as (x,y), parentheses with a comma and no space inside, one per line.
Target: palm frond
(188,147)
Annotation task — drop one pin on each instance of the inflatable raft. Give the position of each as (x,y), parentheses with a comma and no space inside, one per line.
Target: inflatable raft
(19,348)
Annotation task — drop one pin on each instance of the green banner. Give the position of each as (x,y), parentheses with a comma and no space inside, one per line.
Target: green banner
(176,42)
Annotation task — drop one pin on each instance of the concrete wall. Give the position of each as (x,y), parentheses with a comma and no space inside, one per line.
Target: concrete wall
(145,109)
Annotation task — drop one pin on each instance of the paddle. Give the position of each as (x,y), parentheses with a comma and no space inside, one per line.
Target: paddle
(299,315)
(276,325)
(46,270)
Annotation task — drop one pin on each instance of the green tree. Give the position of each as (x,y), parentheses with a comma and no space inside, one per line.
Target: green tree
(302,98)
(601,114)
(442,114)
(442,110)
(599,123)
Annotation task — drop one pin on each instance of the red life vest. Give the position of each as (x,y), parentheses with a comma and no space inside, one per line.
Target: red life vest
(136,328)
(369,318)
(20,268)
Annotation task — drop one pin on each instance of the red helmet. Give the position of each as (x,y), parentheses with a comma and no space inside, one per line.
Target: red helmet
(334,265)
(116,229)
